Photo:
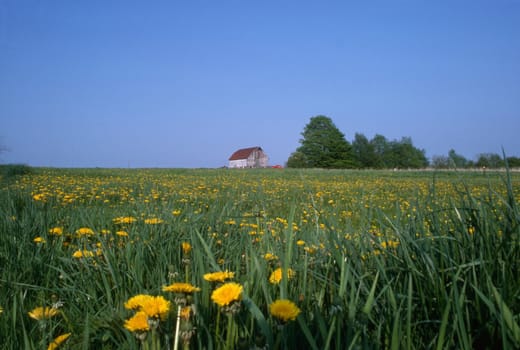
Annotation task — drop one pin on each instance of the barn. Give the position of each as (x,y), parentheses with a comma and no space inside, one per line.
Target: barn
(252,157)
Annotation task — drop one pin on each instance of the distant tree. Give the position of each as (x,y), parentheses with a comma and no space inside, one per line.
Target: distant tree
(513,162)
(457,160)
(380,145)
(489,160)
(364,151)
(404,155)
(440,162)
(322,146)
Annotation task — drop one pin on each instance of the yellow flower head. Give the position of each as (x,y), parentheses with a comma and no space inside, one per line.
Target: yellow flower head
(41,313)
(186,312)
(153,221)
(269,256)
(39,240)
(156,307)
(276,275)
(122,233)
(136,302)
(58,341)
(138,322)
(84,231)
(186,248)
(180,287)
(284,310)
(227,293)
(124,220)
(58,231)
(82,254)
(219,276)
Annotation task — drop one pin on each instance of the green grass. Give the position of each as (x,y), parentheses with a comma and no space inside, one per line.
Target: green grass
(393,260)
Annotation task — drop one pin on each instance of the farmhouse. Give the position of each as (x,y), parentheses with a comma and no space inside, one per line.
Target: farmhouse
(252,157)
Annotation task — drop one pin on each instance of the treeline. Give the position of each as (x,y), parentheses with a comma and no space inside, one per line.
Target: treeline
(323,145)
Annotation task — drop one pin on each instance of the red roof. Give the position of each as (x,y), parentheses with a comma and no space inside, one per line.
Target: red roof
(244,153)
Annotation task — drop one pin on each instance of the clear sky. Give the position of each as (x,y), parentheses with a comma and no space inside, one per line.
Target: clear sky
(104,83)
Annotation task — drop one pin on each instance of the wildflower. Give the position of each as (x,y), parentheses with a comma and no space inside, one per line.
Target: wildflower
(124,220)
(78,254)
(269,256)
(176,212)
(41,313)
(180,287)
(153,221)
(219,276)
(122,233)
(186,248)
(156,307)
(227,293)
(186,312)
(390,244)
(84,231)
(137,301)
(39,240)
(284,310)
(276,275)
(58,341)
(138,322)
(300,242)
(471,230)
(39,197)
(58,231)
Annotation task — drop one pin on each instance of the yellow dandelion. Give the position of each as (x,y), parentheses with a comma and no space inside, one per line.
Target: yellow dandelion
(137,301)
(84,231)
(180,287)
(39,240)
(276,275)
(122,233)
(219,276)
(186,312)
(156,307)
(124,220)
(186,248)
(176,212)
(284,310)
(41,313)
(227,293)
(58,231)
(78,254)
(153,221)
(269,257)
(300,242)
(58,341)
(138,322)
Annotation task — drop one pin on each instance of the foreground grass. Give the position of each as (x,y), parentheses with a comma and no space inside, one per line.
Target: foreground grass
(378,259)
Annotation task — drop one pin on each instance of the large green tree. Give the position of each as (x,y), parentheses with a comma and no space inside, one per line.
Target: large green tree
(322,146)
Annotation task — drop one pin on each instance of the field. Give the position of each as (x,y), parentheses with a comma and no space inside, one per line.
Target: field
(259,259)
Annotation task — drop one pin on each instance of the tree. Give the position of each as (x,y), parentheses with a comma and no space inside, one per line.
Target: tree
(489,160)
(457,160)
(364,151)
(322,146)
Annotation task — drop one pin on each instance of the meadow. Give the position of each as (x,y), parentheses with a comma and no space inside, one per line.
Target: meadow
(259,259)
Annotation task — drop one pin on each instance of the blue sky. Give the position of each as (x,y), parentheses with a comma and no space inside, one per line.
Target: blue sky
(186,83)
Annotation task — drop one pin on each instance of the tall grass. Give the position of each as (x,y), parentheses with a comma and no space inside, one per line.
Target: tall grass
(380,260)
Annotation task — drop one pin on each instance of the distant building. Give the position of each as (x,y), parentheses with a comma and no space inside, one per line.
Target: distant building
(252,157)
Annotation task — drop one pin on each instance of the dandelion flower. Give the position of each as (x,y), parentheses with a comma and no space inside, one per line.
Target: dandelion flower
(219,276)
(84,231)
(276,275)
(124,220)
(186,248)
(39,240)
(156,307)
(153,221)
(138,322)
(78,254)
(270,256)
(58,341)
(41,313)
(58,231)
(284,310)
(122,233)
(180,287)
(227,293)
(136,302)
